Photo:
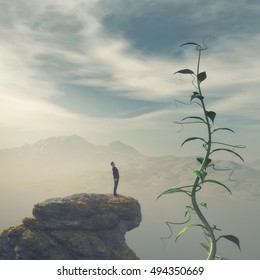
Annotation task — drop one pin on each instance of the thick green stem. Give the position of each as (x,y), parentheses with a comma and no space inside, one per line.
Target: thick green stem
(207,227)
(213,247)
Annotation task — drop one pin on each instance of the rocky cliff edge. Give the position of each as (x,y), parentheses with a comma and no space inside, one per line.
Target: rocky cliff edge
(81,226)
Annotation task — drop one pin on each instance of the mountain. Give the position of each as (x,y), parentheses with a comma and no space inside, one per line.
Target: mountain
(72,143)
(57,146)
(62,155)
(66,158)
(61,166)
(121,149)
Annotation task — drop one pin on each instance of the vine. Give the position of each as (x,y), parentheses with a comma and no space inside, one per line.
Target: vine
(201,175)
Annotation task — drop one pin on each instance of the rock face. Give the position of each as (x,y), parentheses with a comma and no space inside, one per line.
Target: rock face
(81,226)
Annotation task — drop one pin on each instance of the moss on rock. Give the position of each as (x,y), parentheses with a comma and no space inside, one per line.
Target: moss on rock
(81,226)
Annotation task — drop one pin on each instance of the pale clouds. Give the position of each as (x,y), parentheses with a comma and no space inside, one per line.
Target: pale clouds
(26,90)
(101,59)
(48,44)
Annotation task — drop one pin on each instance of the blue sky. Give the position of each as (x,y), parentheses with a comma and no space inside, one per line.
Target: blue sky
(103,70)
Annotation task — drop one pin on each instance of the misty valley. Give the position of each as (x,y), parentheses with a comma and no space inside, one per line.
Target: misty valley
(61,166)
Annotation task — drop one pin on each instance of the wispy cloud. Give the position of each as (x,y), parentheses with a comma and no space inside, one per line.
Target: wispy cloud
(51,48)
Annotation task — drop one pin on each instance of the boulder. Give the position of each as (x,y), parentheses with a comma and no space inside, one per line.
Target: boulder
(80,226)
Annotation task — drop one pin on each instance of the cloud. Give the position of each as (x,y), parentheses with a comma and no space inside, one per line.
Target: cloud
(77,38)
(123,58)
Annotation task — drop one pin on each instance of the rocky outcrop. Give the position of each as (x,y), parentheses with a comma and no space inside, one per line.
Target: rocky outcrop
(81,226)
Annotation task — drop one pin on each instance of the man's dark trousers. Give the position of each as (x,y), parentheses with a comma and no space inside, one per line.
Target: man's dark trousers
(116,181)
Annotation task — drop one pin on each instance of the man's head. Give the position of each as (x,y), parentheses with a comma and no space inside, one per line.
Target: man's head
(112,163)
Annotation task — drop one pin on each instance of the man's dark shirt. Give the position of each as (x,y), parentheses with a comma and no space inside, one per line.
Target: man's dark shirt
(115,172)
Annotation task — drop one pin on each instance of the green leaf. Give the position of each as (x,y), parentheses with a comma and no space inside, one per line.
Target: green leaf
(204,204)
(190,43)
(193,138)
(185,71)
(194,117)
(222,128)
(232,238)
(185,229)
(211,115)
(206,233)
(220,258)
(201,174)
(205,246)
(201,159)
(175,190)
(218,183)
(196,95)
(202,76)
(229,151)
(190,209)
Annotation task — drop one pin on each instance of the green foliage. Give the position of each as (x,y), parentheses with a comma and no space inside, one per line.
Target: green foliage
(187,228)
(175,190)
(231,238)
(201,175)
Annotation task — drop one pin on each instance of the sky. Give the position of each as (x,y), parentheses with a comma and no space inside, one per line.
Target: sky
(104,70)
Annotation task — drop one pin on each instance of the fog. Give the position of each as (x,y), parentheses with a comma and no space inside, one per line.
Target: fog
(145,178)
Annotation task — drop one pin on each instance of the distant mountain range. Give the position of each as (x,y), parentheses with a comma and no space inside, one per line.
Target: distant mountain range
(72,156)
(65,165)
(69,145)
(63,154)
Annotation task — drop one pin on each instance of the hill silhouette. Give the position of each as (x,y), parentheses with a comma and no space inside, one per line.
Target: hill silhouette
(61,166)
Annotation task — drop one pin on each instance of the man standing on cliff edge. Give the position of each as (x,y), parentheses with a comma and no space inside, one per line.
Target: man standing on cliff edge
(116,177)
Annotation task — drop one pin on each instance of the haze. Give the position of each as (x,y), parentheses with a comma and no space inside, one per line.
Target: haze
(103,70)
(60,166)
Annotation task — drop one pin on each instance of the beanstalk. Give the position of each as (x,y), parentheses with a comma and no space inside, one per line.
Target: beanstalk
(201,176)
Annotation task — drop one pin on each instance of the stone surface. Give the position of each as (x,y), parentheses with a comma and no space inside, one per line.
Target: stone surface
(81,226)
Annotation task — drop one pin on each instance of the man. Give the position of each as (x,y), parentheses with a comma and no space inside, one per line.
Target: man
(116,177)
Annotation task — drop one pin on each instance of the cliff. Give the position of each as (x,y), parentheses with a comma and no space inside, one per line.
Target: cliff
(81,226)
